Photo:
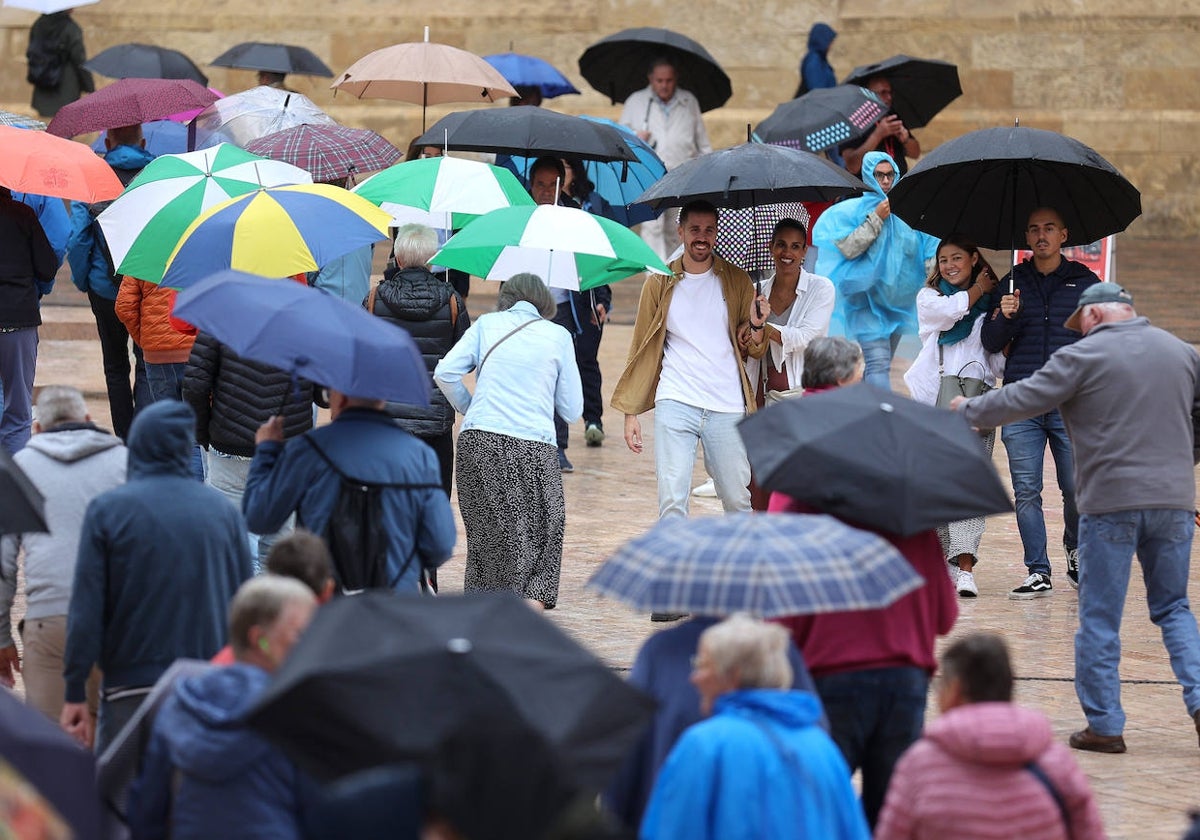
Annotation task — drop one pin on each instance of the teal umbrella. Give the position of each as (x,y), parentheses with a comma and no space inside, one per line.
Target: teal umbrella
(568,248)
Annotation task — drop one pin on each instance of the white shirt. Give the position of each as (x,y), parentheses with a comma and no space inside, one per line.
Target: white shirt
(676,130)
(699,367)
(808,318)
(937,313)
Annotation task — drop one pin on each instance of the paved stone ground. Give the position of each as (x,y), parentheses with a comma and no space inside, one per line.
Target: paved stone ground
(611,497)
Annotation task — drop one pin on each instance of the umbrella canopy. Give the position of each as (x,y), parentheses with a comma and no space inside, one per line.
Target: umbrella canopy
(274,58)
(921,87)
(275,232)
(424,73)
(785,564)
(23,510)
(822,118)
(21,121)
(40,163)
(129,102)
(532,72)
(986,183)
(312,334)
(753,174)
(873,457)
(378,679)
(618,182)
(568,248)
(443,192)
(328,152)
(163,137)
(144,61)
(47,7)
(527,130)
(617,65)
(251,114)
(143,226)
(744,234)
(51,761)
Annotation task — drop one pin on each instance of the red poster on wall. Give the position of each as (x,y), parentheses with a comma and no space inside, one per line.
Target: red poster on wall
(1098,256)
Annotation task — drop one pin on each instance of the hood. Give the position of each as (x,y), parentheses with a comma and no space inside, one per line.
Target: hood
(204,732)
(130,158)
(72,442)
(870,161)
(161,440)
(793,709)
(992,734)
(820,38)
(414,293)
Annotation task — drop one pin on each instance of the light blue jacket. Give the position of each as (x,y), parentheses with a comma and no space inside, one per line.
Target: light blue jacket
(529,378)
(759,769)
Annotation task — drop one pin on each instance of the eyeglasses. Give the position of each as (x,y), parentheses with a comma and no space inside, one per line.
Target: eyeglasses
(884,176)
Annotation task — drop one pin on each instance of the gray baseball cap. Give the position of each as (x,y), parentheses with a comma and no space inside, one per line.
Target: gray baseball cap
(1097,293)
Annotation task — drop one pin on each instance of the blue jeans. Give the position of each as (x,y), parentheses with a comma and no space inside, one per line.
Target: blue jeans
(874,716)
(166,383)
(678,428)
(18,360)
(1026,442)
(1162,540)
(877,360)
(228,473)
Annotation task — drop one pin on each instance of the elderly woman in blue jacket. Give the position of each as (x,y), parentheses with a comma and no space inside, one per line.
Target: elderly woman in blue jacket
(760,766)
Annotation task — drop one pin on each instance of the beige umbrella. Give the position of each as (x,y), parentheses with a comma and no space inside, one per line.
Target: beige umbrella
(425,74)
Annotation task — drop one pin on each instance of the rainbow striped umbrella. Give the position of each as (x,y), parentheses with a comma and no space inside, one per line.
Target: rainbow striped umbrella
(275,232)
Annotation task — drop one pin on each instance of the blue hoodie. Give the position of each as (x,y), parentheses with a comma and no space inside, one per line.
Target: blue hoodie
(815,70)
(759,768)
(232,782)
(159,560)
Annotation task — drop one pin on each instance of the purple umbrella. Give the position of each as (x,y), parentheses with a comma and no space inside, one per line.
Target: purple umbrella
(129,102)
(328,152)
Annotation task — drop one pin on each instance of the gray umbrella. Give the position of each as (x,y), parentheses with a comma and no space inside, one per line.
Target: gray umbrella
(274,58)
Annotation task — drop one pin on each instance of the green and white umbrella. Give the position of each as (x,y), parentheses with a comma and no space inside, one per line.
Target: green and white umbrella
(568,248)
(144,224)
(444,192)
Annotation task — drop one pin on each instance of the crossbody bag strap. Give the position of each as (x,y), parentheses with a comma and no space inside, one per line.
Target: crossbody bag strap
(941,361)
(371,299)
(503,339)
(1040,774)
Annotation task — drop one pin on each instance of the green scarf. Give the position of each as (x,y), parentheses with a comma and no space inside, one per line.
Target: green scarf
(963,328)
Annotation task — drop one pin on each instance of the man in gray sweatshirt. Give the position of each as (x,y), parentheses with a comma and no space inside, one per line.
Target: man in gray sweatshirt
(70,461)
(1129,394)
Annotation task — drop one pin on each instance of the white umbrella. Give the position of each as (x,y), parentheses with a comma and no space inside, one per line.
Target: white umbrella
(47,7)
(255,113)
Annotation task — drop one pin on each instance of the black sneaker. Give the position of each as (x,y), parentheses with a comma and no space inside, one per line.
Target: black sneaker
(1036,585)
(1073,567)
(563,464)
(667,616)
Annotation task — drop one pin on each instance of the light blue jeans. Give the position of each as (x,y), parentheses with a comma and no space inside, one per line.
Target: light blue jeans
(877,360)
(228,473)
(1026,442)
(1162,540)
(678,428)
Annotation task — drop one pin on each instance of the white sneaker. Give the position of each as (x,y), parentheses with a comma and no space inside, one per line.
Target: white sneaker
(707,490)
(965,584)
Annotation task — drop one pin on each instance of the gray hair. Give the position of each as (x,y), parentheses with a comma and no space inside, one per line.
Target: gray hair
(1111,308)
(829,360)
(755,649)
(527,287)
(259,603)
(415,244)
(57,404)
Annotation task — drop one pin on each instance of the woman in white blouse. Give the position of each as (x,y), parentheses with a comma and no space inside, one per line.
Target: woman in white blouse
(959,295)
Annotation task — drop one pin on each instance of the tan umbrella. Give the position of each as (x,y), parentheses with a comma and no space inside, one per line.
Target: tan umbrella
(425,74)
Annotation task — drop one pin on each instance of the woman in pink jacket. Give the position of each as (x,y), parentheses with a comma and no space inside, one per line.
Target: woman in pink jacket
(987,768)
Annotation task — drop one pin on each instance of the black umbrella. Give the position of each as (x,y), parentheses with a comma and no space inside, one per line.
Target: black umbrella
(527,130)
(986,183)
(921,87)
(145,61)
(874,458)
(380,678)
(617,65)
(752,174)
(22,508)
(274,58)
(61,770)
(823,118)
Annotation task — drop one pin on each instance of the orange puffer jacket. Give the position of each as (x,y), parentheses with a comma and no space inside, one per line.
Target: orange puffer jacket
(145,310)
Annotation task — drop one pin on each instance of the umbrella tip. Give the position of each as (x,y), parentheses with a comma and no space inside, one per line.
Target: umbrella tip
(749,134)
(459,646)
(887,408)
(426,34)
(1016,122)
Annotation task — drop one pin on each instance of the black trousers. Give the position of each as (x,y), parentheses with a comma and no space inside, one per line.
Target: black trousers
(123,398)
(587,349)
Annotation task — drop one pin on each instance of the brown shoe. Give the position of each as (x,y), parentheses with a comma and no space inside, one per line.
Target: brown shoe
(1086,739)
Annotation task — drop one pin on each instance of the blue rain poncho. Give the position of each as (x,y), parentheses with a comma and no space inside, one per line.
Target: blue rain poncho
(877,290)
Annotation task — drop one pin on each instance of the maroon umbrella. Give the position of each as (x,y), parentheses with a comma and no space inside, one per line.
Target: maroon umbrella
(328,152)
(129,102)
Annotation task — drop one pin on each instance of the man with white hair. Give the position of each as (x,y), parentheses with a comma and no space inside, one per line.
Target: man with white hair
(71,462)
(1129,394)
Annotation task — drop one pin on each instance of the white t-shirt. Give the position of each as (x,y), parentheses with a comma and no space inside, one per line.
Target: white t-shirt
(699,366)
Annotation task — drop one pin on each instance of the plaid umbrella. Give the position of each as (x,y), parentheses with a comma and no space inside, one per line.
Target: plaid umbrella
(21,121)
(129,102)
(328,152)
(781,564)
(744,234)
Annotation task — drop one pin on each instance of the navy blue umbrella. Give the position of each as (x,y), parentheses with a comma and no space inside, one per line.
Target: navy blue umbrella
(310,333)
(531,72)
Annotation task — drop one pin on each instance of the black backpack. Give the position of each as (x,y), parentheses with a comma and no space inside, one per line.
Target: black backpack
(46,62)
(355,533)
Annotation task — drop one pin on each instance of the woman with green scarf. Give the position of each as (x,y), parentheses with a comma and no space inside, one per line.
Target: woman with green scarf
(951,308)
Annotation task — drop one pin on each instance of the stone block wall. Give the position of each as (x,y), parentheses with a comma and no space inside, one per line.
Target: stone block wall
(1122,77)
